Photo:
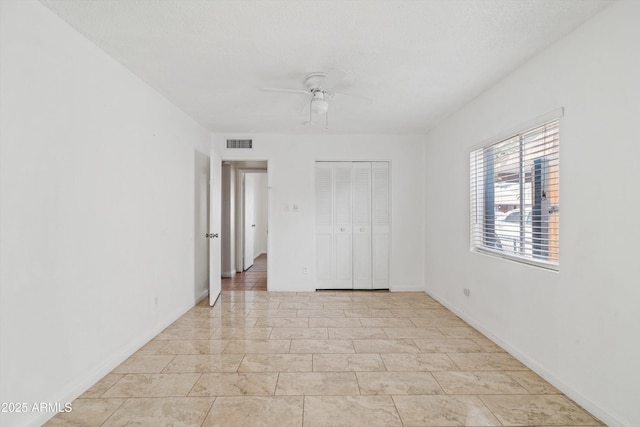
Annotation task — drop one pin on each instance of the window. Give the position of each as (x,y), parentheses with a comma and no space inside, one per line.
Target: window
(515,197)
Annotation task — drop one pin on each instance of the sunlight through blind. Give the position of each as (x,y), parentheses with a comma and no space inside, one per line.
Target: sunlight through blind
(515,197)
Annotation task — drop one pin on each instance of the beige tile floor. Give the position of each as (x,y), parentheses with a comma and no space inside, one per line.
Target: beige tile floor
(322,359)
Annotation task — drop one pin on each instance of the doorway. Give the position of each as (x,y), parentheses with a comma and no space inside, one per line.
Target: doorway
(245,202)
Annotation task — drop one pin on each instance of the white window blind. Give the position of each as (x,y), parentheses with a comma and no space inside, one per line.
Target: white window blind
(515,197)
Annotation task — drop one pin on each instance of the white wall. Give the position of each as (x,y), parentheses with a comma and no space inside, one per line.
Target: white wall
(291,178)
(96,211)
(580,327)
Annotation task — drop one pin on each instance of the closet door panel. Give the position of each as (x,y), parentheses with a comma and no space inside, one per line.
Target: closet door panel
(342,226)
(343,261)
(324,225)
(361,176)
(381,216)
(381,261)
(342,194)
(362,278)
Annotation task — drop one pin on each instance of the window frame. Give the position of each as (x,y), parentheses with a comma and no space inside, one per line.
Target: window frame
(553,265)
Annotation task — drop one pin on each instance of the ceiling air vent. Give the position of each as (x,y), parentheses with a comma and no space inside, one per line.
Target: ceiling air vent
(239,143)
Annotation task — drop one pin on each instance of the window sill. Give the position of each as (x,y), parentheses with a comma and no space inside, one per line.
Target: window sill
(520,260)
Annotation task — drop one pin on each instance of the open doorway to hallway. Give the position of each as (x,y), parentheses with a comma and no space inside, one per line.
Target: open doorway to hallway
(244,225)
(253,279)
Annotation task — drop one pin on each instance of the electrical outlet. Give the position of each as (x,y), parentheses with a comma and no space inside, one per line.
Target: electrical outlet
(304,270)
(467,292)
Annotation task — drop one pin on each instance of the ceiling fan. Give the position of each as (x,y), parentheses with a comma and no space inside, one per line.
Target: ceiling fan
(319,92)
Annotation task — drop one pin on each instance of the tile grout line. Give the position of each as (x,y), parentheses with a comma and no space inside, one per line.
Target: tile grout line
(209,410)
(116,410)
(397,410)
(194,384)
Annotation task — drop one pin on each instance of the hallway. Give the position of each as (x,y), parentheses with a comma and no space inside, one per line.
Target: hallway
(254,279)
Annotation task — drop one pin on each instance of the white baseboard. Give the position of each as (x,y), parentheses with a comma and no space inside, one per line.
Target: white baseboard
(84,381)
(297,287)
(228,274)
(311,287)
(202,296)
(406,287)
(536,367)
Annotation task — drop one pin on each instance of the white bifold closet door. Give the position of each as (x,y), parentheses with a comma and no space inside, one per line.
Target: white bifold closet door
(352,225)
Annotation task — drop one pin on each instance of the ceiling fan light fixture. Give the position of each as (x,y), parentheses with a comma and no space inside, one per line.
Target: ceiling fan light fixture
(319,106)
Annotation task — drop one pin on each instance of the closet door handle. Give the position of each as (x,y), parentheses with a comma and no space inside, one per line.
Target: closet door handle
(342,229)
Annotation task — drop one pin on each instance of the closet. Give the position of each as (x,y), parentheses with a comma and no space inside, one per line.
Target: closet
(352,225)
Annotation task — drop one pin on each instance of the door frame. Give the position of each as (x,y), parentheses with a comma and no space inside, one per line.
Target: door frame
(239,229)
(243,214)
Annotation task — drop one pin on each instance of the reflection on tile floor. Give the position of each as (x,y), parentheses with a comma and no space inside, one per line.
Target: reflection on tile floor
(322,359)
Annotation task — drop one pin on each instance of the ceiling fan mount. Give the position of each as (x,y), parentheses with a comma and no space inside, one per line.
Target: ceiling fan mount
(313,81)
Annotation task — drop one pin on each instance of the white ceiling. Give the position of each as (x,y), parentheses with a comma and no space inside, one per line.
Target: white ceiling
(417,60)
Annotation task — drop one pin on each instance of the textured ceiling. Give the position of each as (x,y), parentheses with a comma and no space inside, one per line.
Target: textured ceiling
(418,61)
